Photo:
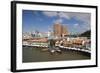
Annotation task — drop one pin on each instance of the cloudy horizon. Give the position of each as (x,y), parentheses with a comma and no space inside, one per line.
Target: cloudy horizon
(43,21)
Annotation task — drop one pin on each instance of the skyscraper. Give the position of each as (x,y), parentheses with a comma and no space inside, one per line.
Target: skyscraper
(60,30)
(64,31)
(57,30)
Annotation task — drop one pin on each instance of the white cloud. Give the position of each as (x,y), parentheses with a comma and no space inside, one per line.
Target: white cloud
(64,15)
(60,14)
(84,18)
(67,15)
(58,21)
(50,14)
(76,25)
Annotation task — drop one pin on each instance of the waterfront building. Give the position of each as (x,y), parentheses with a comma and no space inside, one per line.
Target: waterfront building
(26,35)
(59,30)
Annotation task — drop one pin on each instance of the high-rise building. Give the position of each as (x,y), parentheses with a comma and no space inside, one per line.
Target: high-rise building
(64,31)
(57,30)
(60,30)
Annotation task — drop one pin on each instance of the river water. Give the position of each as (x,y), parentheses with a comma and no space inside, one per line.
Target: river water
(31,54)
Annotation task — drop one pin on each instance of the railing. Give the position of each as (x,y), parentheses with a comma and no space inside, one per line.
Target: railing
(76,49)
(62,47)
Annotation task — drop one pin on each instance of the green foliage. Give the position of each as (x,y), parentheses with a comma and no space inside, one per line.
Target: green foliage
(86,34)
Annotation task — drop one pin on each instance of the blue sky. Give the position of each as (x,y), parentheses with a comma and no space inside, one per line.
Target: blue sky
(43,21)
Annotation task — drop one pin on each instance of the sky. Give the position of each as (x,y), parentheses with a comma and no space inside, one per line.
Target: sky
(43,21)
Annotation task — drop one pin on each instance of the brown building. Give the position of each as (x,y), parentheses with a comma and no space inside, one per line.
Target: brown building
(64,31)
(59,30)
